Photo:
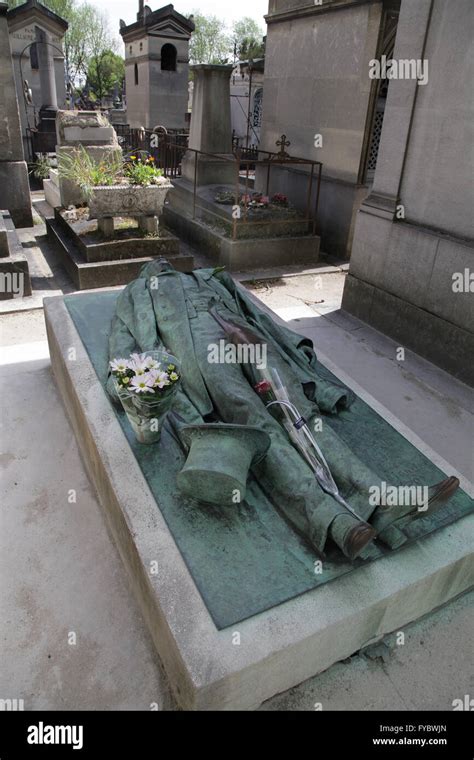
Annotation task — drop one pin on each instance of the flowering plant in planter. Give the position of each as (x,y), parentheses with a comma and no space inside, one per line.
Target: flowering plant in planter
(136,170)
(279,199)
(140,169)
(146,385)
(79,167)
(114,187)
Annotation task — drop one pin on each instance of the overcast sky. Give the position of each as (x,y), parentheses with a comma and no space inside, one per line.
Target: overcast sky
(229,10)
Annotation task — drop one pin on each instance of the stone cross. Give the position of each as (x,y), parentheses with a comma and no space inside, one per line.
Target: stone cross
(283,143)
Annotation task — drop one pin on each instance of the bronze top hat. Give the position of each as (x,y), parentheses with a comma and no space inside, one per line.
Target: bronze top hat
(219,460)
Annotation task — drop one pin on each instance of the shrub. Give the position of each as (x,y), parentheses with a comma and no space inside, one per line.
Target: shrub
(40,168)
(80,168)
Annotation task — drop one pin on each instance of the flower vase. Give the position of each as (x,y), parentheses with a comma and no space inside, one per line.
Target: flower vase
(146,416)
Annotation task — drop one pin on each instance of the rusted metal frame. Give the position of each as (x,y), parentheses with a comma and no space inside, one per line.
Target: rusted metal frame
(310,190)
(237,160)
(237,192)
(318,190)
(195,184)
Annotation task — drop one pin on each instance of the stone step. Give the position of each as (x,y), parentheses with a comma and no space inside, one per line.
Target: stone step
(97,249)
(244,254)
(100,274)
(15,281)
(4,247)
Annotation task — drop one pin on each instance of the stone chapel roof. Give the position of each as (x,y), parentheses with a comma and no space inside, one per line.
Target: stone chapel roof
(35,5)
(153,18)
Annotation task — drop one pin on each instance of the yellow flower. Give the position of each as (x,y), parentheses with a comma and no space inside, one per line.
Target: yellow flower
(134,158)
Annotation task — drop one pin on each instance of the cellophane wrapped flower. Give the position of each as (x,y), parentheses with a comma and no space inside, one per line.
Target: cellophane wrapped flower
(267,393)
(146,385)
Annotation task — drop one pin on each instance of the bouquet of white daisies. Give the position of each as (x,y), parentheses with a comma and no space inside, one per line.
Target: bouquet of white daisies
(148,374)
(146,385)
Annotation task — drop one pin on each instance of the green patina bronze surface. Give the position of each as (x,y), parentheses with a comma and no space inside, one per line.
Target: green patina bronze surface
(218,463)
(245,560)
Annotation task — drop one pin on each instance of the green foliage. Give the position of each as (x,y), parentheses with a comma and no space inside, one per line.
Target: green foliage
(40,168)
(210,42)
(105,71)
(91,50)
(250,49)
(80,168)
(248,38)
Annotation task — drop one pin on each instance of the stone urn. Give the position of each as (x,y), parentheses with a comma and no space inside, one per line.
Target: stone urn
(125,200)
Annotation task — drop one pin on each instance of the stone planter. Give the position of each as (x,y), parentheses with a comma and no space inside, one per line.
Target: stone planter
(145,203)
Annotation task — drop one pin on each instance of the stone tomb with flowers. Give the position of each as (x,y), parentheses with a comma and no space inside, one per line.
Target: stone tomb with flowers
(107,207)
(269,230)
(212,206)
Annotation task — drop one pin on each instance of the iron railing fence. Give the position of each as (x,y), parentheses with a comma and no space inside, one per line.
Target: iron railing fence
(166,146)
(266,160)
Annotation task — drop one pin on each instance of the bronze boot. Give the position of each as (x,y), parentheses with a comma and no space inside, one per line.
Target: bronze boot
(358,538)
(439,494)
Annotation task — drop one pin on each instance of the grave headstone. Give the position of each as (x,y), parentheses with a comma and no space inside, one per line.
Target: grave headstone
(92,131)
(211,130)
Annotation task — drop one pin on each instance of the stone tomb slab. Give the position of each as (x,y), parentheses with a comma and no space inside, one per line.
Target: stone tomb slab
(287,634)
(270,244)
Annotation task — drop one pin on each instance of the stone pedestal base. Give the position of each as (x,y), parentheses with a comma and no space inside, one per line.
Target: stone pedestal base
(51,193)
(106,226)
(210,171)
(15,281)
(15,192)
(291,641)
(148,224)
(97,262)
(389,261)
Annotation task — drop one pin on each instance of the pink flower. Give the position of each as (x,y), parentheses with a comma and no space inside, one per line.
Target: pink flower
(263,387)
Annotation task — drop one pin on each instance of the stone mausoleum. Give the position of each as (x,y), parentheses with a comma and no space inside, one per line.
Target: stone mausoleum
(157,67)
(319,94)
(411,272)
(14,186)
(394,149)
(36,40)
